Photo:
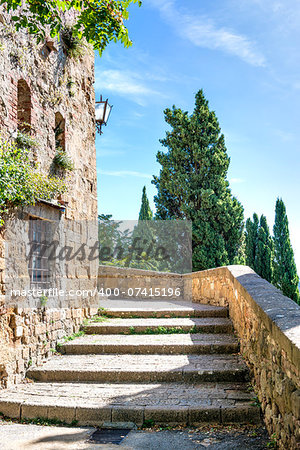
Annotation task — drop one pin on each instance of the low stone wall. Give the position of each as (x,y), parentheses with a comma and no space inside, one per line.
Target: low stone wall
(29,336)
(137,283)
(268,326)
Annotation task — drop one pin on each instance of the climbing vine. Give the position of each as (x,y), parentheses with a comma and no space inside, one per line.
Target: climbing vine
(21,183)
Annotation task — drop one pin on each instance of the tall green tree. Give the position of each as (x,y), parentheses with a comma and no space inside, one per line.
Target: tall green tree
(193,185)
(285,271)
(98,21)
(251,235)
(145,211)
(263,263)
(240,257)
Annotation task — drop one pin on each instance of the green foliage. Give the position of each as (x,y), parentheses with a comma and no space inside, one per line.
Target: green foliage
(110,237)
(148,423)
(240,257)
(251,240)
(63,160)
(43,300)
(192,185)
(263,264)
(73,45)
(24,140)
(20,183)
(98,319)
(73,336)
(285,271)
(272,442)
(145,211)
(165,330)
(98,22)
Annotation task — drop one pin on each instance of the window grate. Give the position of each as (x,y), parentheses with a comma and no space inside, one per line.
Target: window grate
(39,267)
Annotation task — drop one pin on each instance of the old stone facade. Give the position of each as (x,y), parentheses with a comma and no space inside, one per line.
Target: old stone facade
(43,89)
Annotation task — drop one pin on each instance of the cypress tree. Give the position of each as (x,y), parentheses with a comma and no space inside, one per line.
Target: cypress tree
(263,264)
(240,257)
(145,211)
(251,240)
(285,271)
(193,184)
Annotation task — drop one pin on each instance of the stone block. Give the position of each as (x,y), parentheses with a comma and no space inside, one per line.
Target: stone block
(165,415)
(295,401)
(10,409)
(240,414)
(92,415)
(204,415)
(18,332)
(64,413)
(132,414)
(31,411)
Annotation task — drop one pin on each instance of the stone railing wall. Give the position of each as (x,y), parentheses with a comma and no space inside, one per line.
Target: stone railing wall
(268,326)
(137,283)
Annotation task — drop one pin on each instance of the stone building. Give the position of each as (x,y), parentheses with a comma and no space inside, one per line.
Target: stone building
(48,94)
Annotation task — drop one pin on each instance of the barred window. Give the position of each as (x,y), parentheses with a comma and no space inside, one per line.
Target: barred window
(39,266)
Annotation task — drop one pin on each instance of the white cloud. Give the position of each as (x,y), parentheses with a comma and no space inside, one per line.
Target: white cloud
(124,83)
(124,173)
(203,32)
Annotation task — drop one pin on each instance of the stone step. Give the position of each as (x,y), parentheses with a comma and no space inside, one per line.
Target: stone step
(141,368)
(166,403)
(140,344)
(159,308)
(149,326)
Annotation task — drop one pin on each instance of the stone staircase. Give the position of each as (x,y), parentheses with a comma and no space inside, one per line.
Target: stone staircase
(164,362)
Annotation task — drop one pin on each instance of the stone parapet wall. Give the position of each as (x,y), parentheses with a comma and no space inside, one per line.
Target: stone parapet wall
(268,326)
(137,283)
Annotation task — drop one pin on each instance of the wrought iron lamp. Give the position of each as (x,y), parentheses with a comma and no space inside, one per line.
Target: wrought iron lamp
(102,112)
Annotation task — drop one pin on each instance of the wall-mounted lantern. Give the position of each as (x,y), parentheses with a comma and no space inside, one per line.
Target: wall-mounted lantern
(102,112)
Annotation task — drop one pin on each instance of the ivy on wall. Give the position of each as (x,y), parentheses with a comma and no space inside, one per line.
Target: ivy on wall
(21,183)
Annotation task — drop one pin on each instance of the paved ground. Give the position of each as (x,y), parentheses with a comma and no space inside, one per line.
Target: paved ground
(34,437)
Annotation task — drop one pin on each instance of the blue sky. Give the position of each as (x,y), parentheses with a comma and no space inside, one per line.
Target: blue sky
(245,55)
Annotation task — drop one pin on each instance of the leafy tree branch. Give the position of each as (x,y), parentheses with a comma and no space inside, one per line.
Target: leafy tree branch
(97,21)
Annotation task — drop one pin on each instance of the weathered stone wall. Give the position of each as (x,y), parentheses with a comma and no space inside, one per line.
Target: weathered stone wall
(58,84)
(137,283)
(28,336)
(38,87)
(268,326)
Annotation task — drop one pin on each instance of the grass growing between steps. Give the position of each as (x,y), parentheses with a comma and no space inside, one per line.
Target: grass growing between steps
(164,330)
(70,338)
(98,319)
